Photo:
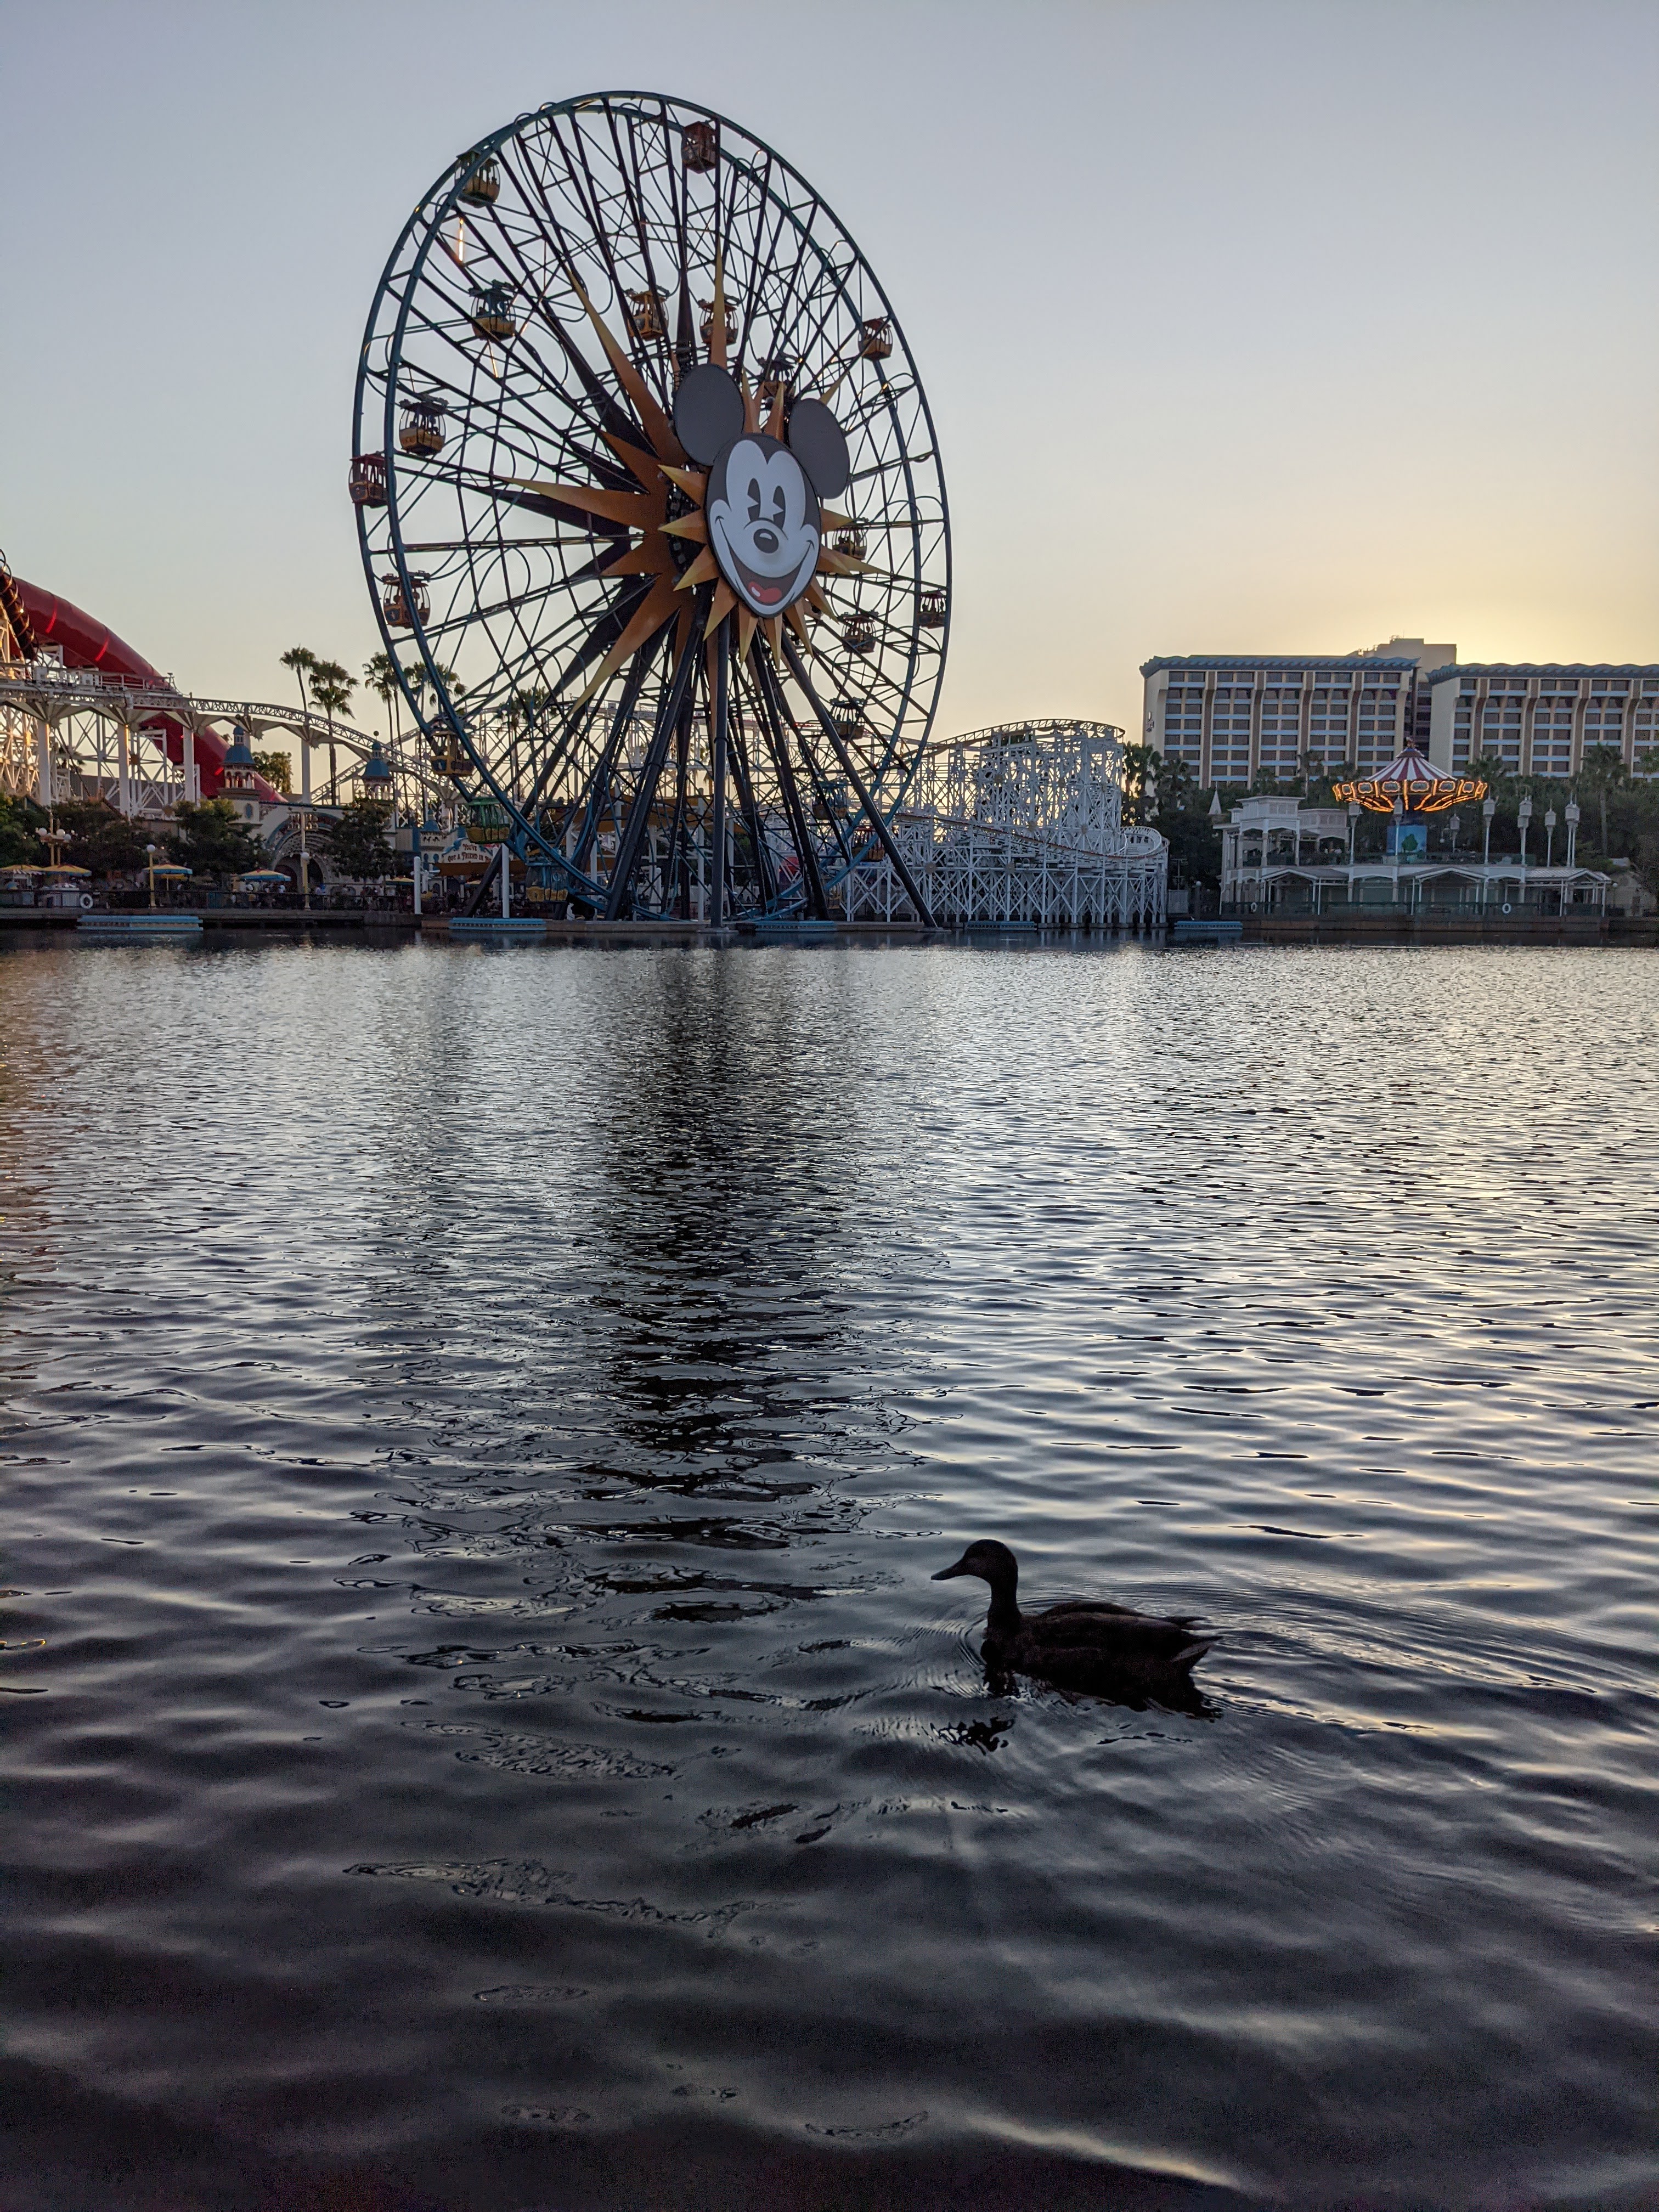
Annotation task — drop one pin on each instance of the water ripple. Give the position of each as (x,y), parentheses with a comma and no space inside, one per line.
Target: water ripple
(476,1436)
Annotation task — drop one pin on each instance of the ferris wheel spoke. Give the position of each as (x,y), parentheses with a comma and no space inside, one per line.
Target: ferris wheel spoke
(536,650)
(611,416)
(749,282)
(589,201)
(536,293)
(629,168)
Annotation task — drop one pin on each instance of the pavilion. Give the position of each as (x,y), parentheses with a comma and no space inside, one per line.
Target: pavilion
(1279,855)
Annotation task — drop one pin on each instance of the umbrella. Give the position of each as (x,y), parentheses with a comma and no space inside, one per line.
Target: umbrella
(171,870)
(264,876)
(19,868)
(65,868)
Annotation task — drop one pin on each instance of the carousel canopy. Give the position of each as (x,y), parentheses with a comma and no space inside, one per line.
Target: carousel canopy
(1414,784)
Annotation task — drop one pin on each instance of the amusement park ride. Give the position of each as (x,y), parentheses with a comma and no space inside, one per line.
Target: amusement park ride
(645,472)
(650,504)
(84,716)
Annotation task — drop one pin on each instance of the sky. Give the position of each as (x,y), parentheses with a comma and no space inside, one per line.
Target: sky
(1247,325)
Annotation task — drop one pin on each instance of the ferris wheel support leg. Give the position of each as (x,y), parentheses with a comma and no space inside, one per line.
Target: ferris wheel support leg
(639,815)
(760,852)
(773,712)
(600,794)
(716,910)
(873,813)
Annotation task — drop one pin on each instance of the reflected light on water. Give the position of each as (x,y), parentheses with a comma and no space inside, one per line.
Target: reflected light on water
(479,1429)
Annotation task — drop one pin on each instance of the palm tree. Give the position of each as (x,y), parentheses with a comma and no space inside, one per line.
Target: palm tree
(331,688)
(380,677)
(1602,770)
(303,662)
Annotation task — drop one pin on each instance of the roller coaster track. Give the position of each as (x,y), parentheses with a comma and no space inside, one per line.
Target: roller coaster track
(43,706)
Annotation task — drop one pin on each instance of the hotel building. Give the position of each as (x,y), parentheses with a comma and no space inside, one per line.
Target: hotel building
(1231,716)
(1540,717)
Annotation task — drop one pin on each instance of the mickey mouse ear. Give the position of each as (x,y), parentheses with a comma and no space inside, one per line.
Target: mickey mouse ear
(816,440)
(707,411)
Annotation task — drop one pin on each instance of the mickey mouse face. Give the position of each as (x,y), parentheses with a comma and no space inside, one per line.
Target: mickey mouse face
(762,497)
(763,523)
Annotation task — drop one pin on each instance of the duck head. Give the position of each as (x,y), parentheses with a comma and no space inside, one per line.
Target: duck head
(993,1563)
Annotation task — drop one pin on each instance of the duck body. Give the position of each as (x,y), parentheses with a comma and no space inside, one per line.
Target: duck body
(1081,1644)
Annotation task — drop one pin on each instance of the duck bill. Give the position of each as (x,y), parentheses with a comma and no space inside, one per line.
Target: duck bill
(949,1574)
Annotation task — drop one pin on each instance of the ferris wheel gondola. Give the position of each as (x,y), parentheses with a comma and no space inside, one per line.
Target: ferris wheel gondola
(645,474)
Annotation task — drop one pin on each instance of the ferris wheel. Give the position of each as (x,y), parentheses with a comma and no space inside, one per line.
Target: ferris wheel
(645,477)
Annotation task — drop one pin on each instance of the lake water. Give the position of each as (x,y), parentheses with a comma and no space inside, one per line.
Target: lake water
(479,1427)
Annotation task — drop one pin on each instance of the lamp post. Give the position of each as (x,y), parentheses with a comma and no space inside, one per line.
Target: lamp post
(1354,810)
(305,860)
(1549,837)
(421,831)
(150,851)
(1572,830)
(1397,817)
(1488,808)
(1523,815)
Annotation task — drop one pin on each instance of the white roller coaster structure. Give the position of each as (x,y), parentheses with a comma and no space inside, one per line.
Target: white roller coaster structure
(68,733)
(1020,826)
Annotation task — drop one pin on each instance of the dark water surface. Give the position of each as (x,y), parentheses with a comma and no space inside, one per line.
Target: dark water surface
(477,1429)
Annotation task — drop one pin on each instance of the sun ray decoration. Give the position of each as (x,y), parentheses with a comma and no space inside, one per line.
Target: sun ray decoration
(567,572)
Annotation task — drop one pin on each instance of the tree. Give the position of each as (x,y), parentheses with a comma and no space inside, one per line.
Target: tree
(277,769)
(212,839)
(331,689)
(356,840)
(380,677)
(1141,765)
(303,662)
(1161,793)
(20,818)
(380,674)
(1600,771)
(100,838)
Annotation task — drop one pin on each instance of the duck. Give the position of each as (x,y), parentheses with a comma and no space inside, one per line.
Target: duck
(1081,1644)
